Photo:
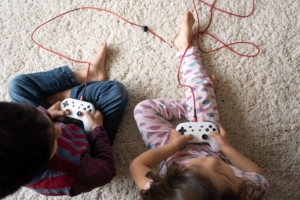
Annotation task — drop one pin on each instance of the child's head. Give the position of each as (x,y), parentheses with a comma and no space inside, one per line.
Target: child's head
(26,144)
(205,178)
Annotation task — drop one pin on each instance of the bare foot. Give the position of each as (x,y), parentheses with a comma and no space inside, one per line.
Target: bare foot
(214,81)
(97,71)
(182,40)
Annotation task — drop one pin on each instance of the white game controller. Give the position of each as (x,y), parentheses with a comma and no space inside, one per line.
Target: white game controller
(200,131)
(77,109)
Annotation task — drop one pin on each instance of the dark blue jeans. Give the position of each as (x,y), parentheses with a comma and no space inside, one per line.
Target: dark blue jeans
(109,97)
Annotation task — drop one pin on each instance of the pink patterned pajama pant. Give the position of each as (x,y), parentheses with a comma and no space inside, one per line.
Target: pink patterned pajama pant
(153,115)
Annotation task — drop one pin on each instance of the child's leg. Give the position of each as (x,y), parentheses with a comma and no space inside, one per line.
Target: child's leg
(194,75)
(34,88)
(110,98)
(152,118)
(46,88)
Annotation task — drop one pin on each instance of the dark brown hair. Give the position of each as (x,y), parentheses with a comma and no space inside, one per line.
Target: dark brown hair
(26,143)
(182,183)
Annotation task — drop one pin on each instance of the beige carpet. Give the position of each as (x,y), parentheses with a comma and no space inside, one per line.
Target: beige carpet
(258,98)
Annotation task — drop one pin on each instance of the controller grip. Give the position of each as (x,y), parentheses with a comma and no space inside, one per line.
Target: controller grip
(86,125)
(214,145)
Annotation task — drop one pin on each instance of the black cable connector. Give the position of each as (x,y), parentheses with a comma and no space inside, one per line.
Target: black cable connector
(144,28)
(195,115)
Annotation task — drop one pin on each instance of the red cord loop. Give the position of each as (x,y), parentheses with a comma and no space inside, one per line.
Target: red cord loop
(81,98)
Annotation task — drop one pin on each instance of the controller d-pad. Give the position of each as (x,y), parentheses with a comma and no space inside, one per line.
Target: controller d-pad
(182,130)
(204,137)
(207,130)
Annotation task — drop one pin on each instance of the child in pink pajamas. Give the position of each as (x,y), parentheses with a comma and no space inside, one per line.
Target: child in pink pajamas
(193,171)
(153,116)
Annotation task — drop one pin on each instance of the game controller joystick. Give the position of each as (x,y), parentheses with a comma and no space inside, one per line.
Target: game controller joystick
(76,110)
(200,132)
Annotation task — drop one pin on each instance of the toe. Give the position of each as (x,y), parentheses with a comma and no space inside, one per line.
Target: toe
(186,16)
(102,46)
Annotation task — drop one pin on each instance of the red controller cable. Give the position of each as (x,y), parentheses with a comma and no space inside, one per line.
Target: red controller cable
(204,32)
(196,34)
(81,98)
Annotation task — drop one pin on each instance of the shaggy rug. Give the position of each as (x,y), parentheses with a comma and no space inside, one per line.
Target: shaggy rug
(258,98)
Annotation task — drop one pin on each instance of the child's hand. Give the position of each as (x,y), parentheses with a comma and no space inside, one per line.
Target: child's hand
(177,139)
(221,138)
(94,120)
(54,112)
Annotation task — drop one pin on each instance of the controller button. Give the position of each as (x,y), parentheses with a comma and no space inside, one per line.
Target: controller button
(81,104)
(192,129)
(190,126)
(79,113)
(214,129)
(90,110)
(207,130)
(73,106)
(199,129)
(182,130)
(72,102)
(84,108)
(201,126)
(88,106)
(204,137)
(78,107)
(210,126)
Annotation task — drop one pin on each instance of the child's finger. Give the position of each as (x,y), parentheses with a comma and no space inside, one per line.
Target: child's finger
(97,113)
(189,137)
(213,134)
(87,114)
(59,113)
(222,131)
(174,132)
(56,105)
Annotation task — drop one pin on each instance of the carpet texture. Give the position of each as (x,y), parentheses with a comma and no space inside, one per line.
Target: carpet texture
(258,98)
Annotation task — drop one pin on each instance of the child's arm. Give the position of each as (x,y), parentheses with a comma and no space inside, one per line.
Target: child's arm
(237,159)
(141,165)
(98,168)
